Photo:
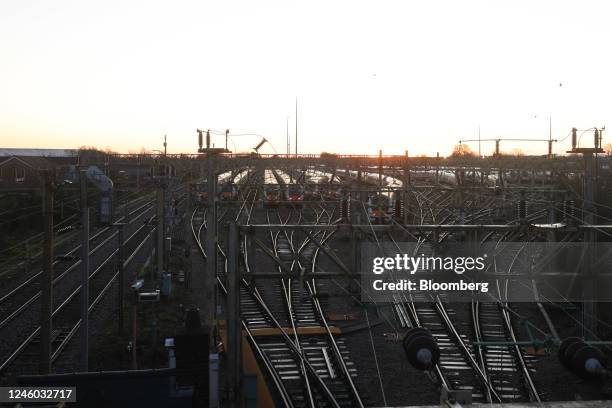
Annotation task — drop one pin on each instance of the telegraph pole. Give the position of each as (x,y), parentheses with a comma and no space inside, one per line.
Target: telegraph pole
(188,239)
(126,208)
(138,163)
(160,227)
(405,184)
(589,288)
(84,349)
(288,140)
(46,298)
(479,154)
(120,256)
(380,169)
(211,241)
(550,141)
(233,319)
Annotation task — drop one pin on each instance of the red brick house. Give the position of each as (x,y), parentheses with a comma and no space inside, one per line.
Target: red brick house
(18,172)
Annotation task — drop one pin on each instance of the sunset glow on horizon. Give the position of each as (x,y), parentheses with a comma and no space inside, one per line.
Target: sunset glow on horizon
(396,76)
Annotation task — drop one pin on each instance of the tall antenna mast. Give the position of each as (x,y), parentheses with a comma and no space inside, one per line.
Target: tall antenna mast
(288,140)
(479,155)
(296,126)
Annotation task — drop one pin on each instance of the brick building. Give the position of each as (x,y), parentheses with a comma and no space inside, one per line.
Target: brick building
(20,168)
(18,172)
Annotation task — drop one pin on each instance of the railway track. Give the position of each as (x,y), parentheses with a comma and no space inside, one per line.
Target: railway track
(19,298)
(20,355)
(507,366)
(304,360)
(313,368)
(305,370)
(21,267)
(18,294)
(458,368)
(490,373)
(66,316)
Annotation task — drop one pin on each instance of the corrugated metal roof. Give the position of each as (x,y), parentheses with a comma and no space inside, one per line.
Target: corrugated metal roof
(5,152)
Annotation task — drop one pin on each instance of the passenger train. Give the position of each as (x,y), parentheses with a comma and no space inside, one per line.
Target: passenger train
(227,186)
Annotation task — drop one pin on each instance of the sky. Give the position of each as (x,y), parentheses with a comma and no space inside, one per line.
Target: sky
(390,75)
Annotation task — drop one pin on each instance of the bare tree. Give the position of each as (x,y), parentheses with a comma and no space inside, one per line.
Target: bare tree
(517,152)
(462,150)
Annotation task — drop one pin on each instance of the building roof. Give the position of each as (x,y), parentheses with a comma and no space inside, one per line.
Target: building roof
(36,163)
(8,152)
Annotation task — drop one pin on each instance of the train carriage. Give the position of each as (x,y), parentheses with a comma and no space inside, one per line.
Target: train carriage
(272,195)
(227,190)
(295,194)
(272,192)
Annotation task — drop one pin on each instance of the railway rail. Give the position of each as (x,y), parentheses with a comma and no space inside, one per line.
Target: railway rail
(304,359)
(20,354)
(314,370)
(21,256)
(490,373)
(305,369)
(18,298)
